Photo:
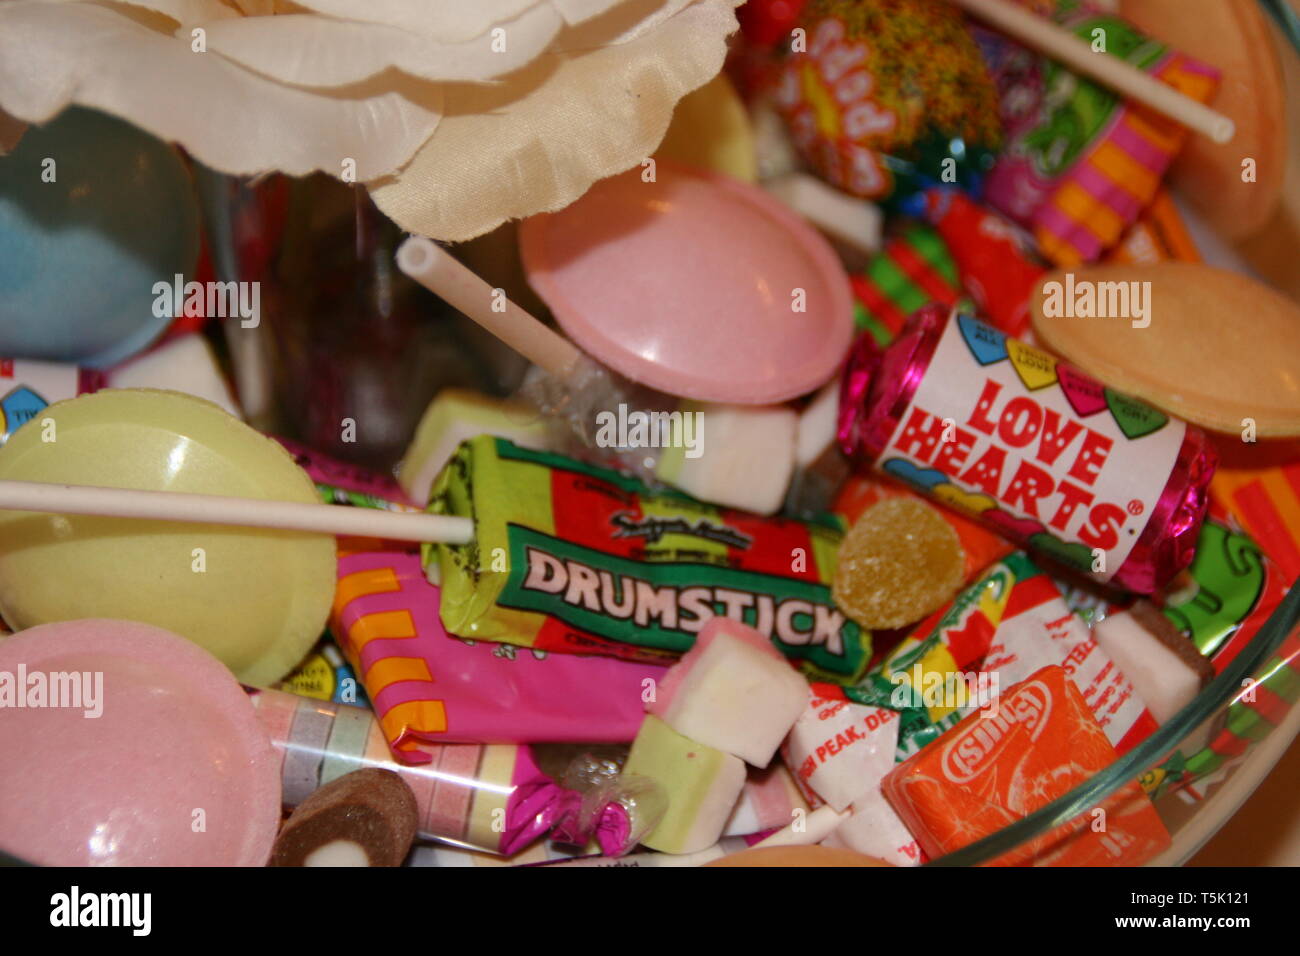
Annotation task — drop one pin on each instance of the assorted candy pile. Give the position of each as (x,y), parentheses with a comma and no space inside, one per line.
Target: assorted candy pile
(874,504)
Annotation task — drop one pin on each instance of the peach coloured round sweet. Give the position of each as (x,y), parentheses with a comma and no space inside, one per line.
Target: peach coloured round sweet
(695,284)
(174,771)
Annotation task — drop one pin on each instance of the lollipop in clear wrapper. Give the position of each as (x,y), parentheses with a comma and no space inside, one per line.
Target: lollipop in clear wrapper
(886,98)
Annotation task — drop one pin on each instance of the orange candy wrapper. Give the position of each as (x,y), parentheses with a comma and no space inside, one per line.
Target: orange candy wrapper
(1260,487)
(1159,235)
(998,765)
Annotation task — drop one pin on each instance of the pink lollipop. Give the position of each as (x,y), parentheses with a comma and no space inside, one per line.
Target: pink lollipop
(694,284)
(174,771)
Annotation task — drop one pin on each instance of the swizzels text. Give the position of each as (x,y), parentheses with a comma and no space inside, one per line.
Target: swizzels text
(965,757)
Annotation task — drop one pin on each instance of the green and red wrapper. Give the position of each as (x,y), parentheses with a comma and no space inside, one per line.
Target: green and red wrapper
(577,559)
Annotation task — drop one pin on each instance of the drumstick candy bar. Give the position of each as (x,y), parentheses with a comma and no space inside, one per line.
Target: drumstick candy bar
(572,558)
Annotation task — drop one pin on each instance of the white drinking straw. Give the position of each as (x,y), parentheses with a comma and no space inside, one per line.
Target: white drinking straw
(439,272)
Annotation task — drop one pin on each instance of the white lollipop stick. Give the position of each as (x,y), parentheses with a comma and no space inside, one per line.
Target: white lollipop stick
(439,272)
(1124,78)
(243,512)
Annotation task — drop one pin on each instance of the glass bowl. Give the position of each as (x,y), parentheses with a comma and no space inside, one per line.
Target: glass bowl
(1199,767)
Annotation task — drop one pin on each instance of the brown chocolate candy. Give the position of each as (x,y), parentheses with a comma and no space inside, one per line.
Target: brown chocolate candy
(364,818)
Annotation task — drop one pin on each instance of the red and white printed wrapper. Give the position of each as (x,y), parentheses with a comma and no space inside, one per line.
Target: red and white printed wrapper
(1051,634)
(876,830)
(840,750)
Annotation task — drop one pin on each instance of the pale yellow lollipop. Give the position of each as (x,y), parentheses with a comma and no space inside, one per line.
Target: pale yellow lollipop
(256,599)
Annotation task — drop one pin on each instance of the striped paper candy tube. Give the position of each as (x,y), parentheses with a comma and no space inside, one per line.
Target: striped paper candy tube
(1107,188)
(1159,235)
(467,794)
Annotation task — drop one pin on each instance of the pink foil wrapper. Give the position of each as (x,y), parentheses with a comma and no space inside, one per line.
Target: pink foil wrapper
(349,484)
(427,685)
(878,388)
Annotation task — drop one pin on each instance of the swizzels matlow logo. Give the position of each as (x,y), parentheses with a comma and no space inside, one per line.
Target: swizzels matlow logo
(971,752)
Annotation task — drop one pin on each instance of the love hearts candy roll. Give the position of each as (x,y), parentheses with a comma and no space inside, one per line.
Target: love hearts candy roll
(1050,458)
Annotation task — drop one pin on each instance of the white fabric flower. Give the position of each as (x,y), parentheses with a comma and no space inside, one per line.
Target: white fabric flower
(460,114)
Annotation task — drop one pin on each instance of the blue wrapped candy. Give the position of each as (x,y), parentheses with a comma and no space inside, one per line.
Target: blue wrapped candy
(79,255)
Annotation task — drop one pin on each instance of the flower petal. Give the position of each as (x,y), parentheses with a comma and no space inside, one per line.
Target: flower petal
(232,120)
(632,19)
(182,11)
(453,22)
(539,140)
(322,52)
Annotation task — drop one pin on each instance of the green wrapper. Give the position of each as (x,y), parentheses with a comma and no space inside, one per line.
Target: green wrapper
(572,558)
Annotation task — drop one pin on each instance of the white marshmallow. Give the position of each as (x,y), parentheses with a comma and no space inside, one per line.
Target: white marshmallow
(1159,676)
(745,456)
(853,221)
(732,691)
(185,364)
